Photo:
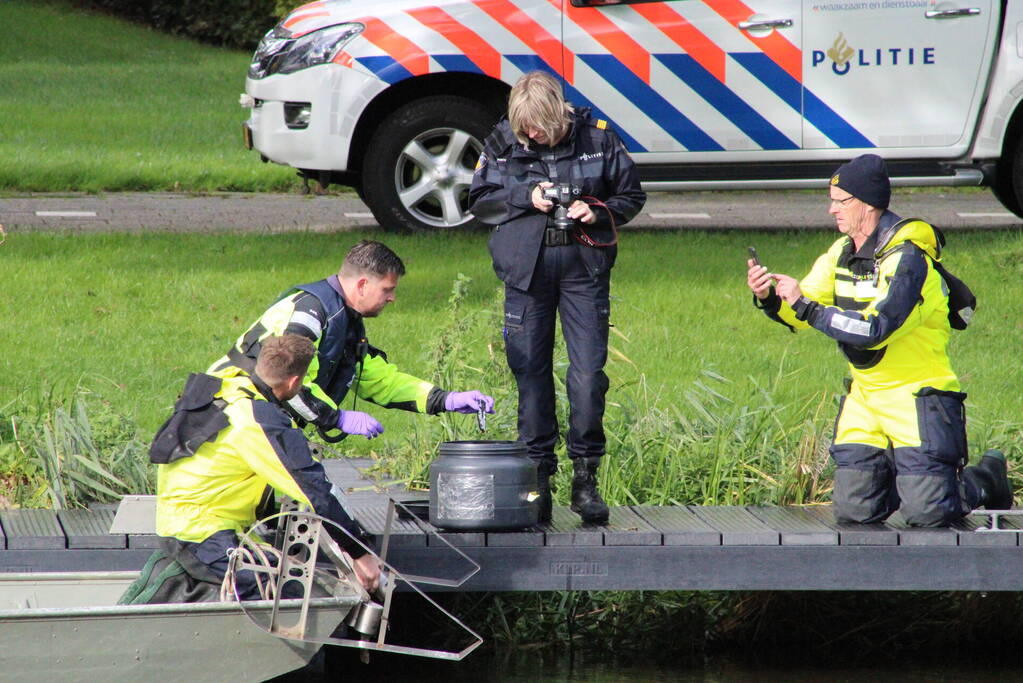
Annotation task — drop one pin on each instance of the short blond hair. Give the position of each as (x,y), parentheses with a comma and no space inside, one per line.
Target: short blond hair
(536,101)
(284,357)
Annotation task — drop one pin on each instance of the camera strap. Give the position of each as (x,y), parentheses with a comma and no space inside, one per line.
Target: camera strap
(584,238)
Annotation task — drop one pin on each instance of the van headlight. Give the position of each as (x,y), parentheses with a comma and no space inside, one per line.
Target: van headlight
(279,53)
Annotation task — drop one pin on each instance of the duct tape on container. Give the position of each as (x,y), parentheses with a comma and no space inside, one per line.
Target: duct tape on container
(465,496)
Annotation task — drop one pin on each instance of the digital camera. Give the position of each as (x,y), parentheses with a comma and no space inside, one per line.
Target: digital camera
(562,195)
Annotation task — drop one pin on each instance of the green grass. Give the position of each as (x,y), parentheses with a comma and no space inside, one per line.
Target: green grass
(93,103)
(130,315)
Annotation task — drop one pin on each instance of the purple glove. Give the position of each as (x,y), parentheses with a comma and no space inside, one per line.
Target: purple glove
(468,402)
(354,422)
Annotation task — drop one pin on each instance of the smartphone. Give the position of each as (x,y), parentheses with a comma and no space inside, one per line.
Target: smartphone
(753,255)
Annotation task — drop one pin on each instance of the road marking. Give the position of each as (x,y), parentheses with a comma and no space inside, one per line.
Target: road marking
(66,214)
(358,215)
(679,215)
(985,215)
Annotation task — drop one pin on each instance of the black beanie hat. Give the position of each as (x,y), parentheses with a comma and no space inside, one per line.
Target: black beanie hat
(866,178)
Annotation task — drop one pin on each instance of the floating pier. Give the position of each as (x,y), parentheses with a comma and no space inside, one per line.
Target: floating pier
(641,548)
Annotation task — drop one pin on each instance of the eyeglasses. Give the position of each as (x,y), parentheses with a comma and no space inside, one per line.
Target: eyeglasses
(843,202)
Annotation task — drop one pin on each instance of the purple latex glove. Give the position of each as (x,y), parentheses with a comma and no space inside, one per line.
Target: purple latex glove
(468,402)
(354,422)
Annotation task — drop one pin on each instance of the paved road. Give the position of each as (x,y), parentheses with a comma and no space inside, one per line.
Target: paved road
(280,212)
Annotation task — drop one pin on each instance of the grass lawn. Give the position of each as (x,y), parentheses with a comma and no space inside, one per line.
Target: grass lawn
(134,313)
(95,103)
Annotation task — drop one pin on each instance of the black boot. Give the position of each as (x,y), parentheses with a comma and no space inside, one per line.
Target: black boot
(545,500)
(997,489)
(586,500)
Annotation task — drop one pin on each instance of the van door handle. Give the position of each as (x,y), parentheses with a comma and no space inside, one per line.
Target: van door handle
(951,13)
(767,23)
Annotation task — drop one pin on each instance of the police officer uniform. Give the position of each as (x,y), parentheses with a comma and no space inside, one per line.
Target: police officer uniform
(900,436)
(544,275)
(319,312)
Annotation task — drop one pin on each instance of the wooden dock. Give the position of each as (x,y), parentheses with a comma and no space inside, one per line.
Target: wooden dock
(641,548)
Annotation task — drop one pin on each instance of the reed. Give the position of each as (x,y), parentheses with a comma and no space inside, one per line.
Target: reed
(54,454)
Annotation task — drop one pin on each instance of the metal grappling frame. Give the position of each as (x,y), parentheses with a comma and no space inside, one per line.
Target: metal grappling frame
(289,569)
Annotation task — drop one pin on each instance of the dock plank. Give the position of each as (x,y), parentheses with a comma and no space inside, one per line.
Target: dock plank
(796,525)
(530,537)
(404,533)
(915,536)
(625,527)
(855,534)
(90,529)
(679,525)
(737,525)
(565,528)
(966,529)
(32,530)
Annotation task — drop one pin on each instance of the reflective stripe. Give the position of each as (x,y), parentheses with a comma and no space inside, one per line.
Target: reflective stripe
(473,46)
(302,408)
(857,327)
(619,43)
(400,49)
(544,45)
(697,45)
(774,45)
(307,321)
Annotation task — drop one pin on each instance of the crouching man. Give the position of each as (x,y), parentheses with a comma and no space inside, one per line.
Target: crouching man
(900,436)
(229,440)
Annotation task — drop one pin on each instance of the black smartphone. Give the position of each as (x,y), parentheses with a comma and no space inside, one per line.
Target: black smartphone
(753,255)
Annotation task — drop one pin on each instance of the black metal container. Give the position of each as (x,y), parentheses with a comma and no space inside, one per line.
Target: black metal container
(483,486)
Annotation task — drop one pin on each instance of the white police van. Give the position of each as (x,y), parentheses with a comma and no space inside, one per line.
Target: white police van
(394,97)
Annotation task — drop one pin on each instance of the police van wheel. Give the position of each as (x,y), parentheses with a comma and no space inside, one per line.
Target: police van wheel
(1008,185)
(420,162)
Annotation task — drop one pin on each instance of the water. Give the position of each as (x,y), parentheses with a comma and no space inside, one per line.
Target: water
(530,667)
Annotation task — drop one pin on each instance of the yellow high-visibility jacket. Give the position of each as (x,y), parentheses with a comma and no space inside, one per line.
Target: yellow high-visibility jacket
(885,305)
(220,486)
(344,359)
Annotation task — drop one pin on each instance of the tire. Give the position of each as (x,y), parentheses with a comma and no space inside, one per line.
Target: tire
(1006,186)
(420,162)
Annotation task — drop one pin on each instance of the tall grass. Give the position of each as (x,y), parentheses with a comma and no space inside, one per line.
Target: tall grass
(93,103)
(69,449)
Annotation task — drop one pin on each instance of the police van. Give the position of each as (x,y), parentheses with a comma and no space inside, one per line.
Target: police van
(394,97)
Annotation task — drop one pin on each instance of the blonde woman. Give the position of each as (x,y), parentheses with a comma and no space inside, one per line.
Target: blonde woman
(556,182)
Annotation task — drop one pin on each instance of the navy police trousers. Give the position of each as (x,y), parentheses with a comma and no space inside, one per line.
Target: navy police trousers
(560,285)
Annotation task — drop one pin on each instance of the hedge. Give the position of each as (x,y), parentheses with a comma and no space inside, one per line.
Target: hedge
(230,23)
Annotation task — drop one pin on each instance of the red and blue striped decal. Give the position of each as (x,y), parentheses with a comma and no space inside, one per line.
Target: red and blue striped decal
(811,107)
(730,105)
(477,54)
(777,64)
(547,47)
(677,124)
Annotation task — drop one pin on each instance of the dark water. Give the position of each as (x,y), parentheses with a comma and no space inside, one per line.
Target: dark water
(341,664)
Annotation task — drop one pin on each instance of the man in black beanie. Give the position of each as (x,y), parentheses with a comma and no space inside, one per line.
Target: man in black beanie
(900,436)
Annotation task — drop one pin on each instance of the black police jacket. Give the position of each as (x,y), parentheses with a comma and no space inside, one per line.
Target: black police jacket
(591,157)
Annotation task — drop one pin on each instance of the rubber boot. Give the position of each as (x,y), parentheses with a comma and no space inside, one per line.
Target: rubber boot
(545,500)
(586,500)
(998,490)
